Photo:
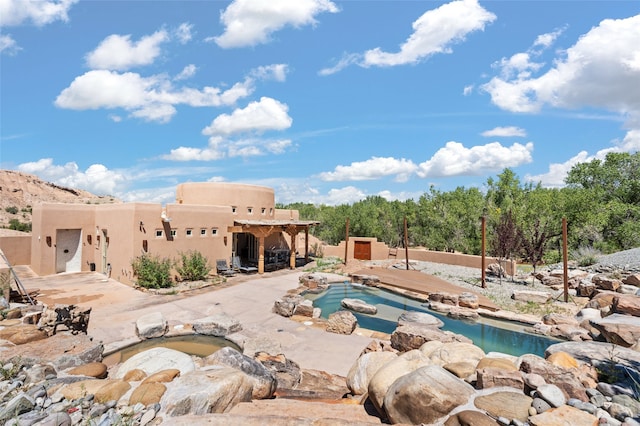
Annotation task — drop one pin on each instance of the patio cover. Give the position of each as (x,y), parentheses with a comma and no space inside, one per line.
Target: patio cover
(263,228)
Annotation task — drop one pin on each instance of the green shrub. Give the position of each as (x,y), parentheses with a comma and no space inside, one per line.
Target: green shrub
(16,225)
(194,266)
(152,271)
(551,257)
(586,256)
(11,209)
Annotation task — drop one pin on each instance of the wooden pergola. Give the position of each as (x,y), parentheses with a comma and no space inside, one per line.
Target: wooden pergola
(261,229)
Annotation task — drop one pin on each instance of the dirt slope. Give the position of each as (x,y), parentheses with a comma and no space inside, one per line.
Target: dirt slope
(20,191)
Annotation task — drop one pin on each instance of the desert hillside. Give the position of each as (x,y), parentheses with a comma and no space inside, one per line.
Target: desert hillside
(20,191)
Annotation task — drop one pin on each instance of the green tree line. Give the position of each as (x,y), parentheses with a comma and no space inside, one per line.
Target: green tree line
(600,201)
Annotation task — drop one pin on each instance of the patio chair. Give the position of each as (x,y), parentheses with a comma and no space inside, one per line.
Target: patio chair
(223,268)
(237,265)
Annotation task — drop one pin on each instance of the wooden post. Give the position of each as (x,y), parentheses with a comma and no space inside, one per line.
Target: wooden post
(565,260)
(346,243)
(406,243)
(483,221)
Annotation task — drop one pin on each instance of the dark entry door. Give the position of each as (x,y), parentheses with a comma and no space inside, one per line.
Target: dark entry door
(362,250)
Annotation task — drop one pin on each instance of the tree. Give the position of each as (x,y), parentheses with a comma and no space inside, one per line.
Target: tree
(504,242)
(532,242)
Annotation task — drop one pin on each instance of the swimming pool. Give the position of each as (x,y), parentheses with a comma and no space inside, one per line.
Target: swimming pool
(490,335)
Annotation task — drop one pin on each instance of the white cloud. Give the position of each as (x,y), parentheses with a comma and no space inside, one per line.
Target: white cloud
(468,90)
(8,45)
(508,131)
(279,146)
(97,178)
(346,195)
(184,153)
(257,118)
(118,52)
(597,71)
(456,160)
(151,98)
(277,72)
(184,33)
(374,168)
(346,60)
(251,22)
(558,171)
(186,73)
(266,114)
(546,40)
(434,32)
(17,12)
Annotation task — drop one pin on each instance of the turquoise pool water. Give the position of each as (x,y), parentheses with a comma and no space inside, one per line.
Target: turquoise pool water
(490,335)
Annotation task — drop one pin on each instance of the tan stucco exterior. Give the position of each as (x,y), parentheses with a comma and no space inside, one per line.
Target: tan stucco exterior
(106,238)
(380,251)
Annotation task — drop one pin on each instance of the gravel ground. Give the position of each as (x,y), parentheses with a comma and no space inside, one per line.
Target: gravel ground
(498,290)
(628,260)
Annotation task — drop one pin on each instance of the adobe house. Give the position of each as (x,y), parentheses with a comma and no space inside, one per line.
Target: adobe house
(220,220)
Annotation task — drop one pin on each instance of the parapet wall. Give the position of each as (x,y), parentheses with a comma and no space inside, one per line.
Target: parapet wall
(380,251)
(17,248)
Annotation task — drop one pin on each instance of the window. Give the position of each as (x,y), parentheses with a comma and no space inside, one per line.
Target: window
(234,209)
(263,211)
(174,232)
(214,231)
(159,233)
(271,211)
(203,232)
(189,232)
(250,210)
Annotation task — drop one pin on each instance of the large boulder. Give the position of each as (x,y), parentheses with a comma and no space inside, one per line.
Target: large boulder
(420,318)
(358,305)
(61,350)
(506,404)
(151,326)
(215,390)
(21,334)
(567,379)
(365,367)
(633,279)
(412,336)
(564,415)
(425,396)
(157,359)
(219,325)
(628,304)
(496,377)
(623,330)
(286,305)
(342,322)
(288,373)
(606,283)
(456,352)
(390,372)
(264,380)
(589,352)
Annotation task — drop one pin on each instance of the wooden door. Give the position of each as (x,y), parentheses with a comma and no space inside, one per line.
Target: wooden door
(362,250)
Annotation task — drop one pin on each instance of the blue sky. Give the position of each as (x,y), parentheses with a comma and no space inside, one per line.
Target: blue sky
(325,101)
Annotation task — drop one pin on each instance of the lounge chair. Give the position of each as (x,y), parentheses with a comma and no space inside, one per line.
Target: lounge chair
(223,268)
(237,265)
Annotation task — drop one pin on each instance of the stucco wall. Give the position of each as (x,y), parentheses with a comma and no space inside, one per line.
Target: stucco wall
(46,220)
(380,251)
(17,248)
(250,202)
(113,235)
